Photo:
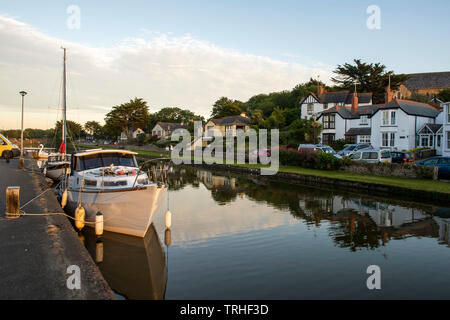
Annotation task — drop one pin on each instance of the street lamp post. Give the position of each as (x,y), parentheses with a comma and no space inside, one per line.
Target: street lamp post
(22,93)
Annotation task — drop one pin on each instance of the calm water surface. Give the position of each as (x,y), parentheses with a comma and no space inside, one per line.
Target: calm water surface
(239,238)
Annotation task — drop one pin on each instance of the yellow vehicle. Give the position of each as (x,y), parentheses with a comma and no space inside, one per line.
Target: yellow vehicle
(7,148)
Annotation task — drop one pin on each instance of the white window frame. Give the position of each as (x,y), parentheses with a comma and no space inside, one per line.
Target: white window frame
(364,120)
(385,120)
(389,118)
(390,139)
(393,118)
(310,109)
(364,139)
(448,140)
(383,140)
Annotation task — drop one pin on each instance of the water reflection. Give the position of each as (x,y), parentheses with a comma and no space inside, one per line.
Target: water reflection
(238,237)
(356,221)
(135,268)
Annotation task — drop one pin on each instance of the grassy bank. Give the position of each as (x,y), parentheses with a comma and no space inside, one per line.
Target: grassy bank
(414,184)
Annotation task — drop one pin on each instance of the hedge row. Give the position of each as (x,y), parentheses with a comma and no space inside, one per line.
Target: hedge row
(326,161)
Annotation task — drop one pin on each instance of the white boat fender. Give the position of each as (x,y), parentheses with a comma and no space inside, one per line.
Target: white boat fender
(168,219)
(99,224)
(99,251)
(64,199)
(79,217)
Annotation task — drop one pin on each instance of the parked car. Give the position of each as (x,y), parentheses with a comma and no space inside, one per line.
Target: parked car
(318,148)
(371,156)
(351,148)
(443,163)
(401,157)
(255,154)
(7,148)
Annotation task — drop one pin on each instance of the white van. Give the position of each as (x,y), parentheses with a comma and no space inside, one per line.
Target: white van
(372,156)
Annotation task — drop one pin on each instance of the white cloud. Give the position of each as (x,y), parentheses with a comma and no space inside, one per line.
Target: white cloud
(163,69)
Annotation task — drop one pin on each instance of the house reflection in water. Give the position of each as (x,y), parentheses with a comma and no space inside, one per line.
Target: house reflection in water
(355,221)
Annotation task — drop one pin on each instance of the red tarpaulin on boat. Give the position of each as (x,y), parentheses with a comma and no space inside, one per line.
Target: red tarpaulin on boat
(62,148)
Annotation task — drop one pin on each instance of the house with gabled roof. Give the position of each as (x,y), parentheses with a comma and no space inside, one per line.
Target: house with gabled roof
(396,124)
(165,129)
(133,133)
(227,126)
(313,104)
(429,84)
(446,129)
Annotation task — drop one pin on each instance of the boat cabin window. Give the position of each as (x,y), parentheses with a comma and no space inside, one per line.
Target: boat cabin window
(105,160)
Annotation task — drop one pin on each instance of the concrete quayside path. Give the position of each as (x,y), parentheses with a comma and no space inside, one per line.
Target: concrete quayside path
(36,252)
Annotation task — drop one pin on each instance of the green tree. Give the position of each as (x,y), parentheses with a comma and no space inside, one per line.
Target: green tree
(93,128)
(128,115)
(444,95)
(226,107)
(370,77)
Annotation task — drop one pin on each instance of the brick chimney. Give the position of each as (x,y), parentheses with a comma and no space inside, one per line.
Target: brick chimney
(355,102)
(388,95)
(320,91)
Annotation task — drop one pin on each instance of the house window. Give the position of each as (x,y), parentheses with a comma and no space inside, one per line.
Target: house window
(424,141)
(328,138)
(385,118)
(329,121)
(363,120)
(448,139)
(392,117)
(389,118)
(384,139)
(364,139)
(310,108)
(325,106)
(448,113)
(438,140)
(388,139)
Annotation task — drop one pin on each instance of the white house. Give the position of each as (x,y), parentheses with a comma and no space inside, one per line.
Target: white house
(351,123)
(397,124)
(312,105)
(446,129)
(165,129)
(133,133)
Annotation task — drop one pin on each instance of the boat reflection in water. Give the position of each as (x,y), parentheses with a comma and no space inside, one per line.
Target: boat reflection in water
(134,267)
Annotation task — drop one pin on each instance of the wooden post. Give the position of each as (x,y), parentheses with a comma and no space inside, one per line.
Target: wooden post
(12,202)
(435,173)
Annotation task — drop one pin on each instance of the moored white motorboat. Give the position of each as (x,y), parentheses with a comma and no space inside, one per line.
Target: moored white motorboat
(110,182)
(56,166)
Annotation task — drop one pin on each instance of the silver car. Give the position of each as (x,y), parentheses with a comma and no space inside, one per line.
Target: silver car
(371,156)
(352,148)
(318,148)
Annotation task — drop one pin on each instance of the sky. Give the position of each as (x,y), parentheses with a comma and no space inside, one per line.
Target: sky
(188,54)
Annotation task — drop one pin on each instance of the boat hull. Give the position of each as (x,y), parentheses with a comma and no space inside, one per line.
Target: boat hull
(56,172)
(124,211)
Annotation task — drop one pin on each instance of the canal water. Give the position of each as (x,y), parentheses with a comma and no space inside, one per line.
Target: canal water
(235,237)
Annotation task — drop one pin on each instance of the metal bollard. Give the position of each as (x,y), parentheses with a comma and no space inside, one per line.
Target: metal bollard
(12,202)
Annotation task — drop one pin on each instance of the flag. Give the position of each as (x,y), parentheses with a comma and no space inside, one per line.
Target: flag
(62,148)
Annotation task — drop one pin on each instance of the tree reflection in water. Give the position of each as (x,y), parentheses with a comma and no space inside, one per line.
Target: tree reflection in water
(357,221)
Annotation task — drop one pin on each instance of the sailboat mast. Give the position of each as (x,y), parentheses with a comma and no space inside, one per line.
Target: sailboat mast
(64,124)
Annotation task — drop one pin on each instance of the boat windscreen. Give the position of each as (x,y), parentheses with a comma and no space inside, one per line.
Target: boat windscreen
(105,160)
